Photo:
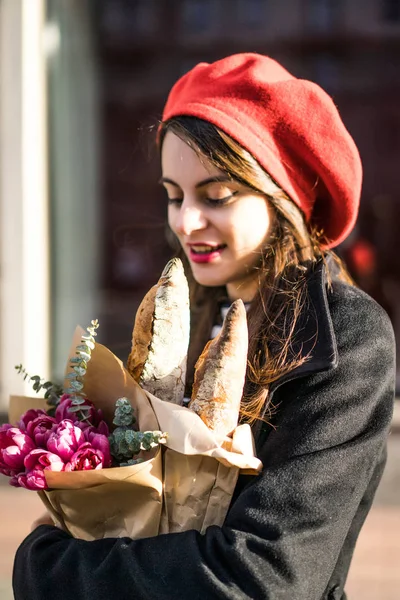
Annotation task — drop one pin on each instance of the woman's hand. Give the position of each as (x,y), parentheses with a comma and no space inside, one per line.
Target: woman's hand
(44,519)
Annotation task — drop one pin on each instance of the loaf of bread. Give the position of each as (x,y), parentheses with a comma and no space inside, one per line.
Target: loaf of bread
(160,336)
(220,373)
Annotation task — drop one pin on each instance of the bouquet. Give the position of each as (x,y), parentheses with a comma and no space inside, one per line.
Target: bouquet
(102,475)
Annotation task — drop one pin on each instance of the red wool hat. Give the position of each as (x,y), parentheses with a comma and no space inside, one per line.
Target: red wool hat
(291,126)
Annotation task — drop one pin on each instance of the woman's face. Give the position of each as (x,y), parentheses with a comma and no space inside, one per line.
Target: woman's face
(221,225)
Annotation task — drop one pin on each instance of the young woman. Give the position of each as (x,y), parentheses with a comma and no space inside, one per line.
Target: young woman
(262,180)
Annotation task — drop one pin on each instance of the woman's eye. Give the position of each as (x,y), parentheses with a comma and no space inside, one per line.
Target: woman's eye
(220,201)
(177,201)
(213,202)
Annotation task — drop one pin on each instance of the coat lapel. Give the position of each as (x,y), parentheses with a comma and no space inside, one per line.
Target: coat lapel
(314,336)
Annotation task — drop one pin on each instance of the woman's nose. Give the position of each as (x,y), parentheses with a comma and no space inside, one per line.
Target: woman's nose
(189,219)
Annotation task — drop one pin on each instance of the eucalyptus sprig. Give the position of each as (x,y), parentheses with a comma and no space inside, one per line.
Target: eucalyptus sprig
(53,391)
(125,441)
(79,365)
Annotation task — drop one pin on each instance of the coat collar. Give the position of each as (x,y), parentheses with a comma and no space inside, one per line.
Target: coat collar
(314,335)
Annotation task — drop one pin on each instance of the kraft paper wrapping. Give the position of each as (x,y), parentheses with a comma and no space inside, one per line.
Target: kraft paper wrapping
(116,502)
(200,474)
(186,485)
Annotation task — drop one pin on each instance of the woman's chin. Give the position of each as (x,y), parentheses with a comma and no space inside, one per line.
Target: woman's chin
(207,278)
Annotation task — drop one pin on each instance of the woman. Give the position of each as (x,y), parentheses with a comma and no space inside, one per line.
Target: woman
(263,180)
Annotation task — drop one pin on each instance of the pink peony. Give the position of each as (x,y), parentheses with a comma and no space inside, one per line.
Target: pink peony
(5,426)
(43,460)
(99,441)
(86,458)
(29,416)
(14,481)
(65,440)
(14,446)
(63,412)
(40,429)
(32,480)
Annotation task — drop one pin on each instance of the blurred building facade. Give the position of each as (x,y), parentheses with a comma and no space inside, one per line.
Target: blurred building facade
(109,67)
(350,47)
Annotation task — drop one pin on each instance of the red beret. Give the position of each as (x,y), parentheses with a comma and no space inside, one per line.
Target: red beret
(291,126)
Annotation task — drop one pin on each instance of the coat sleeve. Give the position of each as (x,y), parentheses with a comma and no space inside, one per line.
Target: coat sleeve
(284,532)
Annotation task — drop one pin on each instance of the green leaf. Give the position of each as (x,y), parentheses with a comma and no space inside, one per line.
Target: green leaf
(52,398)
(88,336)
(80,371)
(76,385)
(84,355)
(83,347)
(78,400)
(71,375)
(75,359)
(90,344)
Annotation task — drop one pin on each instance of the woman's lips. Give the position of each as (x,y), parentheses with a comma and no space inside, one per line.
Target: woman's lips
(205,253)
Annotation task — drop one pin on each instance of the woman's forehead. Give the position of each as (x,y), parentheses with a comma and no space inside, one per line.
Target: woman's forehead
(181,163)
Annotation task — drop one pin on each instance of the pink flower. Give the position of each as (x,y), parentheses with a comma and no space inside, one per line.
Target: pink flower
(100,442)
(102,428)
(14,481)
(63,412)
(5,426)
(32,480)
(65,440)
(43,460)
(14,446)
(86,458)
(8,472)
(29,416)
(40,429)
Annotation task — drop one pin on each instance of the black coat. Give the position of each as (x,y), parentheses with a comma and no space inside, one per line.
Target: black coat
(291,531)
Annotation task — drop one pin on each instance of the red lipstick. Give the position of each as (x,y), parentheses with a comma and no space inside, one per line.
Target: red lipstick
(202,253)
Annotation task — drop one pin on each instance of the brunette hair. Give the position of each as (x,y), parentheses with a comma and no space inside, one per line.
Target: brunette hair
(285,261)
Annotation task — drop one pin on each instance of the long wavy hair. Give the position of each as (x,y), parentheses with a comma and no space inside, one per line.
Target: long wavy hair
(284,264)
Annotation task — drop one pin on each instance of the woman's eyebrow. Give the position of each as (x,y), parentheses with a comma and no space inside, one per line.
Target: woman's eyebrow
(167,180)
(217,179)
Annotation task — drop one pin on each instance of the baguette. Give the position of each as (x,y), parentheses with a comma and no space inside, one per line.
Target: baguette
(220,374)
(160,336)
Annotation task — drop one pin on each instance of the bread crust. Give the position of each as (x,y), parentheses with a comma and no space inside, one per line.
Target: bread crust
(220,374)
(142,334)
(160,336)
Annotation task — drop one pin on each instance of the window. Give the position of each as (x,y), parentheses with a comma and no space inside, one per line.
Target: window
(326,71)
(251,14)
(391,11)
(198,16)
(323,16)
(129,17)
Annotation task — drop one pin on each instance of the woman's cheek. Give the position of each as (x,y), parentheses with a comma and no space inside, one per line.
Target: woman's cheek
(170,217)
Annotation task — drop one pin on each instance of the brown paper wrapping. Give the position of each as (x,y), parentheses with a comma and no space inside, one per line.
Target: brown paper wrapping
(199,475)
(20,404)
(186,485)
(116,502)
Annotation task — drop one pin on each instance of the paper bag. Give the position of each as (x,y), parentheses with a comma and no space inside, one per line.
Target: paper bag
(200,475)
(114,502)
(187,485)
